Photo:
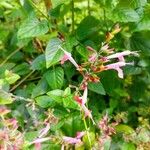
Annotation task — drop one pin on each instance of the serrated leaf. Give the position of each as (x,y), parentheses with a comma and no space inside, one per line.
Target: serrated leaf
(144,24)
(32,27)
(97,88)
(52,53)
(56,95)
(124,15)
(87,27)
(5,98)
(45,101)
(55,78)
(41,88)
(39,63)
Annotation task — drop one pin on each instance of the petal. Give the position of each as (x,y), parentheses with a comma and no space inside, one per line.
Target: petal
(40,140)
(69,57)
(71,140)
(65,58)
(84,97)
(44,131)
(120,72)
(37,146)
(80,135)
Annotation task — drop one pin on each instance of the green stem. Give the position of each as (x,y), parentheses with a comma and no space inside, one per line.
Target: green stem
(104,11)
(9,56)
(85,124)
(72,8)
(89,12)
(14,87)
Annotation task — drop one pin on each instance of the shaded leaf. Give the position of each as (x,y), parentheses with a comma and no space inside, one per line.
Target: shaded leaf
(45,101)
(39,63)
(97,88)
(55,78)
(87,27)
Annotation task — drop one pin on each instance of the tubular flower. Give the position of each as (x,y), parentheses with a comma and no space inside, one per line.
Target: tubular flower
(67,56)
(117,66)
(93,56)
(75,140)
(121,55)
(82,101)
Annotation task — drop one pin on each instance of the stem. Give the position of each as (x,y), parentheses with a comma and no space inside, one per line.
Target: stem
(72,8)
(14,87)
(89,12)
(104,11)
(9,56)
(85,124)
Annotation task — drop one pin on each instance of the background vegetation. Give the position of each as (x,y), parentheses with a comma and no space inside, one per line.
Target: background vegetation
(34,86)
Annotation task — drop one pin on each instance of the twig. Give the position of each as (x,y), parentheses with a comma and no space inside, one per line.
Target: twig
(19,83)
(9,56)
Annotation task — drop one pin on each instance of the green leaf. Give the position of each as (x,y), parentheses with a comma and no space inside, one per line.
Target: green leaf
(32,27)
(55,3)
(39,63)
(53,54)
(86,139)
(97,88)
(107,144)
(69,102)
(144,24)
(56,95)
(141,41)
(87,27)
(55,78)
(5,98)
(45,101)
(124,15)
(11,77)
(128,146)
(124,129)
(41,88)
(22,69)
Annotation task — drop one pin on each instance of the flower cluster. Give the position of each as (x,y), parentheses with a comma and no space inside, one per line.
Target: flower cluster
(10,137)
(98,61)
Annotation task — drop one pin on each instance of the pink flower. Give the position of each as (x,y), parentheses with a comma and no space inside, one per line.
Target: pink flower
(71,140)
(75,140)
(121,55)
(40,140)
(4,110)
(38,146)
(93,57)
(67,56)
(44,131)
(82,101)
(79,135)
(117,66)
(105,48)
